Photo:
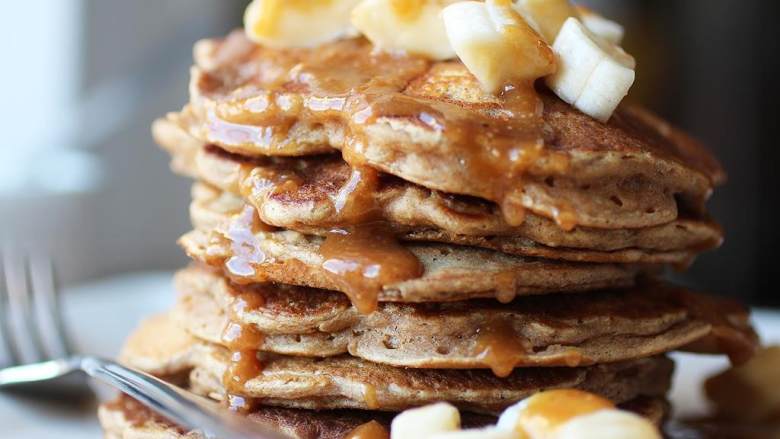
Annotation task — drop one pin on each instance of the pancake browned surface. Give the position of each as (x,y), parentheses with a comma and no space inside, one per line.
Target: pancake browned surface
(349,382)
(236,84)
(449,272)
(560,330)
(127,418)
(301,193)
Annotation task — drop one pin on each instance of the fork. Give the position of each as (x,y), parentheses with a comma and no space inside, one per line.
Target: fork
(32,332)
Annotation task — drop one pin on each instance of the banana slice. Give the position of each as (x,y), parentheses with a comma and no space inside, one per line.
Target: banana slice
(607,424)
(496,44)
(540,415)
(477,433)
(605,28)
(546,16)
(413,26)
(593,74)
(424,422)
(298,23)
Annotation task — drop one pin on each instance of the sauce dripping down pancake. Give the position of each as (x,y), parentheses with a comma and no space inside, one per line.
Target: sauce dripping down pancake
(363,258)
(243,340)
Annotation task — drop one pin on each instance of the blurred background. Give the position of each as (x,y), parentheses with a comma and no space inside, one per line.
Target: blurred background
(83,80)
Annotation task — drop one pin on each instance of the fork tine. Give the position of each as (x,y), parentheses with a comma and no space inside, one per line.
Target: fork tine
(21,306)
(6,324)
(46,293)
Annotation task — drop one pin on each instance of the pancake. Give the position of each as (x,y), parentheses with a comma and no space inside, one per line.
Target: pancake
(345,382)
(348,382)
(564,330)
(415,213)
(431,124)
(448,272)
(126,418)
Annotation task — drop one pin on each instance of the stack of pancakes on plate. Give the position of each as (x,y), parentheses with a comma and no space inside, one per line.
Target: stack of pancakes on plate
(373,232)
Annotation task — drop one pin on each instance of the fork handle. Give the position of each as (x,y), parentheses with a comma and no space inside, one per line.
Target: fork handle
(180,407)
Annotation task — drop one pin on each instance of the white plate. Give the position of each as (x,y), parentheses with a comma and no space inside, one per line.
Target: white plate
(101,314)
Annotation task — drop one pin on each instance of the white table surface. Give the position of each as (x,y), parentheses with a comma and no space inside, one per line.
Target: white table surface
(101,314)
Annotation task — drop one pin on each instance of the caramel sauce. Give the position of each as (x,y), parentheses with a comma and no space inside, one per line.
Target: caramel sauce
(369,395)
(361,259)
(547,410)
(356,202)
(506,286)
(493,140)
(369,430)
(500,347)
(245,248)
(243,341)
(237,134)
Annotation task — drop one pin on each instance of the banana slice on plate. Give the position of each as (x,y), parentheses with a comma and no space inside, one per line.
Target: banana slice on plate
(477,433)
(298,23)
(607,424)
(423,422)
(412,26)
(573,414)
(496,44)
(593,74)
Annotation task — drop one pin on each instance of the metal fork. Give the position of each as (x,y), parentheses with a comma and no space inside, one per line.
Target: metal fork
(33,336)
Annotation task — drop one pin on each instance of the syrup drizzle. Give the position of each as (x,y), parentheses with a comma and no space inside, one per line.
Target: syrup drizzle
(369,395)
(243,341)
(362,259)
(500,347)
(244,245)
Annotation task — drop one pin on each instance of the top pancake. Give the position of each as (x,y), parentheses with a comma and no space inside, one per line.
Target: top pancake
(398,114)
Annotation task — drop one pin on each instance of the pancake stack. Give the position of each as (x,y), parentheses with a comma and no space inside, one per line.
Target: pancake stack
(374,232)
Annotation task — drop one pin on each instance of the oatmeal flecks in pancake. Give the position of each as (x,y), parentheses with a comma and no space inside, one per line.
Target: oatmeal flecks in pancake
(449,272)
(560,330)
(415,213)
(422,122)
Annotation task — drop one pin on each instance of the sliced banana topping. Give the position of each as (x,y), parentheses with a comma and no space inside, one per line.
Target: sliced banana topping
(425,422)
(412,26)
(539,416)
(607,424)
(552,414)
(593,74)
(546,16)
(605,28)
(477,433)
(496,44)
(298,23)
